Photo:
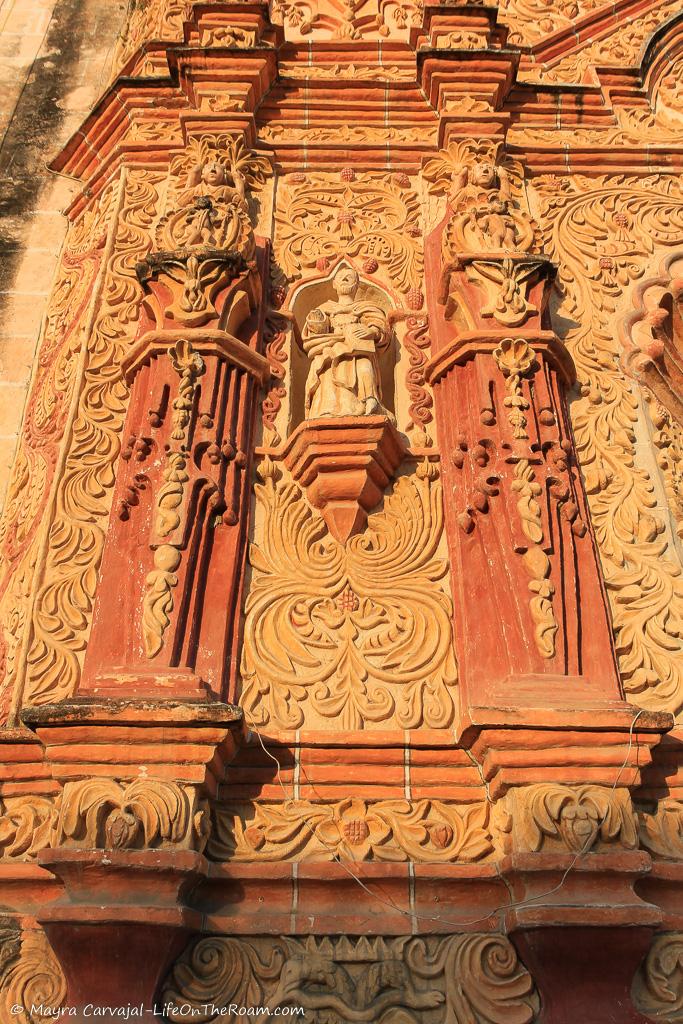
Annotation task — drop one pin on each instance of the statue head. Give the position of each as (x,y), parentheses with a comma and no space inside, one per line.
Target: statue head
(484,174)
(213,173)
(345,281)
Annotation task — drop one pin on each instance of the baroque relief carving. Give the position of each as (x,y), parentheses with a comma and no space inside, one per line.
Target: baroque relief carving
(553,817)
(65,600)
(621,48)
(369,216)
(658,985)
(602,231)
(428,831)
(26,826)
(460,979)
(30,975)
(102,814)
(661,831)
(22,530)
(349,635)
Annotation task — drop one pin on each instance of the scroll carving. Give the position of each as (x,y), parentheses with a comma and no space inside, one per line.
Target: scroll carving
(26,826)
(661,831)
(349,635)
(658,986)
(460,979)
(65,599)
(389,830)
(602,231)
(365,215)
(30,975)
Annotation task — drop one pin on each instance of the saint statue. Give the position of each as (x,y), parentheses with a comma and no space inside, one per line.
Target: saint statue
(342,338)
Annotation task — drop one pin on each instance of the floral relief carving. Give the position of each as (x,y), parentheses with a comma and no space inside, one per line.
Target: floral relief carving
(658,985)
(387,830)
(349,635)
(45,424)
(577,819)
(104,814)
(531,20)
(661,831)
(65,599)
(621,47)
(369,216)
(26,826)
(459,979)
(601,231)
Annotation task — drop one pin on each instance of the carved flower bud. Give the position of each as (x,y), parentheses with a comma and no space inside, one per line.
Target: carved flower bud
(606,263)
(370,266)
(298,178)
(355,832)
(403,180)
(322,264)
(279,294)
(414,299)
(347,174)
(413,230)
(441,835)
(121,830)
(621,220)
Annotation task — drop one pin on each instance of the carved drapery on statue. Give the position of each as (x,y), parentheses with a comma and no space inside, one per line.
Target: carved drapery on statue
(179,504)
(517,524)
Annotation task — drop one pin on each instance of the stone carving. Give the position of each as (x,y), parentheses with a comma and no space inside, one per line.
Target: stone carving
(459,979)
(601,231)
(30,975)
(389,830)
(351,133)
(276,332)
(661,831)
(346,19)
(207,233)
(158,600)
(65,599)
(362,72)
(531,20)
(417,343)
(550,816)
(102,814)
(26,825)
(346,636)
(669,444)
(358,215)
(342,339)
(485,214)
(621,47)
(653,337)
(658,985)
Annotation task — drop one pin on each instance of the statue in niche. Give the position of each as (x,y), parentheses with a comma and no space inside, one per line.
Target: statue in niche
(481,194)
(343,338)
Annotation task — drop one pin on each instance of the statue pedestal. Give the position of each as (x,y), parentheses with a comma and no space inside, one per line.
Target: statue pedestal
(345,464)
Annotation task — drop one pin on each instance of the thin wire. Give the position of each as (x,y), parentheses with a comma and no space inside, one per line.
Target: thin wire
(445,920)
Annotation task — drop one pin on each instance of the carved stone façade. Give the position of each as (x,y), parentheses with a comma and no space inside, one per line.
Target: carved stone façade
(356,406)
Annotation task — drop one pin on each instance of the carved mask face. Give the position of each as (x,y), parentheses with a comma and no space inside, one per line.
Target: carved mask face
(484,175)
(345,281)
(213,173)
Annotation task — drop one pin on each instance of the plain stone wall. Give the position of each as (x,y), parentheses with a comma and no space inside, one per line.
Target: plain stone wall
(55,60)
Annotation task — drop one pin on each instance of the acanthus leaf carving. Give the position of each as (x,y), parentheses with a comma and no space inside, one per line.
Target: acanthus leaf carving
(551,816)
(385,655)
(428,831)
